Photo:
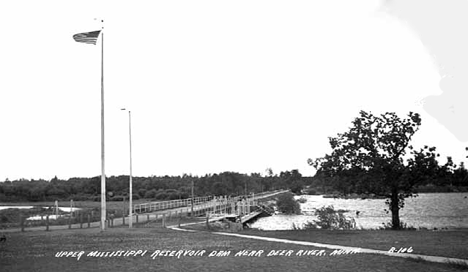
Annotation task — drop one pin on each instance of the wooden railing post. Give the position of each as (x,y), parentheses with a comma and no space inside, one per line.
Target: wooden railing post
(207,220)
(47,223)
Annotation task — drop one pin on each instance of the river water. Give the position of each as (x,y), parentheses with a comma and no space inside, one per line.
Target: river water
(434,210)
(38,217)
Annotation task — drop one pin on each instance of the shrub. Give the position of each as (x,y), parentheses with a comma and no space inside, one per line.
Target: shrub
(161,195)
(287,205)
(295,227)
(310,225)
(307,226)
(302,200)
(174,195)
(329,218)
(117,198)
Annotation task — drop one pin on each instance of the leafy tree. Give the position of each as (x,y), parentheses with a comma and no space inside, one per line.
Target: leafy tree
(56,193)
(293,180)
(141,192)
(445,174)
(372,158)
(461,175)
(219,188)
(93,186)
(37,190)
(296,186)
(161,195)
(287,204)
(150,194)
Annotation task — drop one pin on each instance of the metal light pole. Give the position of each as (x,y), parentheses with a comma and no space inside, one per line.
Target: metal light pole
(130,197)
(191,213)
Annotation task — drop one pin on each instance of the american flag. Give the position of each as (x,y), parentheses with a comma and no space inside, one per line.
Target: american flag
(87,37)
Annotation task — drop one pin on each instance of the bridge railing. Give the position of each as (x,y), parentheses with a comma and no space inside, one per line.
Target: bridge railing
(169,204)
(178,203)
(239,205)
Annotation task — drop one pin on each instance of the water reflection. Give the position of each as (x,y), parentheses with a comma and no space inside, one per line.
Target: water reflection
(15,207)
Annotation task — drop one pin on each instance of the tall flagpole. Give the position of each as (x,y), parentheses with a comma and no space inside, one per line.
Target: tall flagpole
(103,174)
(91,38)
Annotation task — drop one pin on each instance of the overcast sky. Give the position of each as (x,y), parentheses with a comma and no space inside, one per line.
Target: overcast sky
(212,85)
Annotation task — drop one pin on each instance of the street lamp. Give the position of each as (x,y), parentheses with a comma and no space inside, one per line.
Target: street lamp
(130,204)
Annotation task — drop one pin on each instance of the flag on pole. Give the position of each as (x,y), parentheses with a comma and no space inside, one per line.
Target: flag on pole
(87,37)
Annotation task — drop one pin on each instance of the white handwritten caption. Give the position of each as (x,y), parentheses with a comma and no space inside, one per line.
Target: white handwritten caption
(160,253)
(401,250)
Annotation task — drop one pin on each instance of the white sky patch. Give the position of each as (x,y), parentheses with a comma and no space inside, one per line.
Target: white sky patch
(212,85)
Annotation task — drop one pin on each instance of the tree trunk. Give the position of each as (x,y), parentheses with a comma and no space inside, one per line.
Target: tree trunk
(395,209)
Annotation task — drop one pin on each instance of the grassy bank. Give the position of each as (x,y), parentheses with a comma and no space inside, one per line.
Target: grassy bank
(447,243)
(451,243)
(36,251)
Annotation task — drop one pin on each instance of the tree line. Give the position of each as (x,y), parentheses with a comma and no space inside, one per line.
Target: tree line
(447,178)
(153,188)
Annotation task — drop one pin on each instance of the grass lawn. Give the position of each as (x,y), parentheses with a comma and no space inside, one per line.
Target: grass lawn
(452,244)
(36,251)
